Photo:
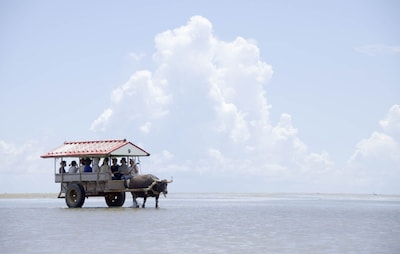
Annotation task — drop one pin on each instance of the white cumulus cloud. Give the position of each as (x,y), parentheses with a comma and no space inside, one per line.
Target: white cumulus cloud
(375,163)
(391,123)
(101,121)
(378,146)
(203,110)
(382,145)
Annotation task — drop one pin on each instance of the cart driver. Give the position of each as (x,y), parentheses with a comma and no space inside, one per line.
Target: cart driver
(133,166)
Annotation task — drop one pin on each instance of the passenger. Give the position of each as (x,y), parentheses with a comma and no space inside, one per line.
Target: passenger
(87,168)
(126,172)
(105,168)
(81,165)
(115,170)
(73,168)
(124,169)
(133,167)
(95,165)
(63,164)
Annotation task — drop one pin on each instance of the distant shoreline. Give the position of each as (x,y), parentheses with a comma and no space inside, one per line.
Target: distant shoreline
(27,195)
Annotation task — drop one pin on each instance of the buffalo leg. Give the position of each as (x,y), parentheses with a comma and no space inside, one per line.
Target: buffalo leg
(135,204)
(156,201)
(144,201)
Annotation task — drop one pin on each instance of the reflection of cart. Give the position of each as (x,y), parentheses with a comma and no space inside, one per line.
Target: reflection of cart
(76,186)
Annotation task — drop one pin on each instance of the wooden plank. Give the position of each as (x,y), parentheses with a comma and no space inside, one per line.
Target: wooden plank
(79,177)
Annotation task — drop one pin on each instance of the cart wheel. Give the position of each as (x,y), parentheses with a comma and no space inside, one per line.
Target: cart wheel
(75,195)
(115,199)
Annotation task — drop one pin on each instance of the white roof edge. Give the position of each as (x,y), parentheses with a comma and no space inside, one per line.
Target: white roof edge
(129,150)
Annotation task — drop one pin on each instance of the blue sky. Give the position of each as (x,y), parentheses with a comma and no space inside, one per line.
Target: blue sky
(243,96)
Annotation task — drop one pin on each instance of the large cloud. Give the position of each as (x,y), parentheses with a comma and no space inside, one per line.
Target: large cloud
(204,109)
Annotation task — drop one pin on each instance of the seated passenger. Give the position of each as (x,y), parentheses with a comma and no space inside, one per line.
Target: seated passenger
(63,164)
(87,168)
(81,165)
(73,168)
(105,168)
(126,172)
(115,170)
(124,169)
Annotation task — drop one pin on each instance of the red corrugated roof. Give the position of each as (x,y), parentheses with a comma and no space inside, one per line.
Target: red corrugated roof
(97,147)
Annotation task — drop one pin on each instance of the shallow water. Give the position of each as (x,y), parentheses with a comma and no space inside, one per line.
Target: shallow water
(205,223)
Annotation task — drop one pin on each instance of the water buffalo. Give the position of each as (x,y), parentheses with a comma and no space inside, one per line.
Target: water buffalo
(147,186)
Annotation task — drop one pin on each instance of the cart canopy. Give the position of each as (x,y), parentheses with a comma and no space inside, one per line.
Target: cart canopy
(97,148)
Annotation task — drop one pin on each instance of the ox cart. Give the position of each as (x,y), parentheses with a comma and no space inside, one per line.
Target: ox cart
(76,186)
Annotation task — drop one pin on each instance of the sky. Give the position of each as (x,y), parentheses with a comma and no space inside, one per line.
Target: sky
(226,96)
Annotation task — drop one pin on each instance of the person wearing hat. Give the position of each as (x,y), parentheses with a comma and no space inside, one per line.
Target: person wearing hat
(87,168)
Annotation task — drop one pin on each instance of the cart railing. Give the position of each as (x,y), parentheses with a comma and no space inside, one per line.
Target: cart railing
(80,177)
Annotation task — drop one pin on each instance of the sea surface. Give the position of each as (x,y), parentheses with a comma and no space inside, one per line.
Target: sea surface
(204,223)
